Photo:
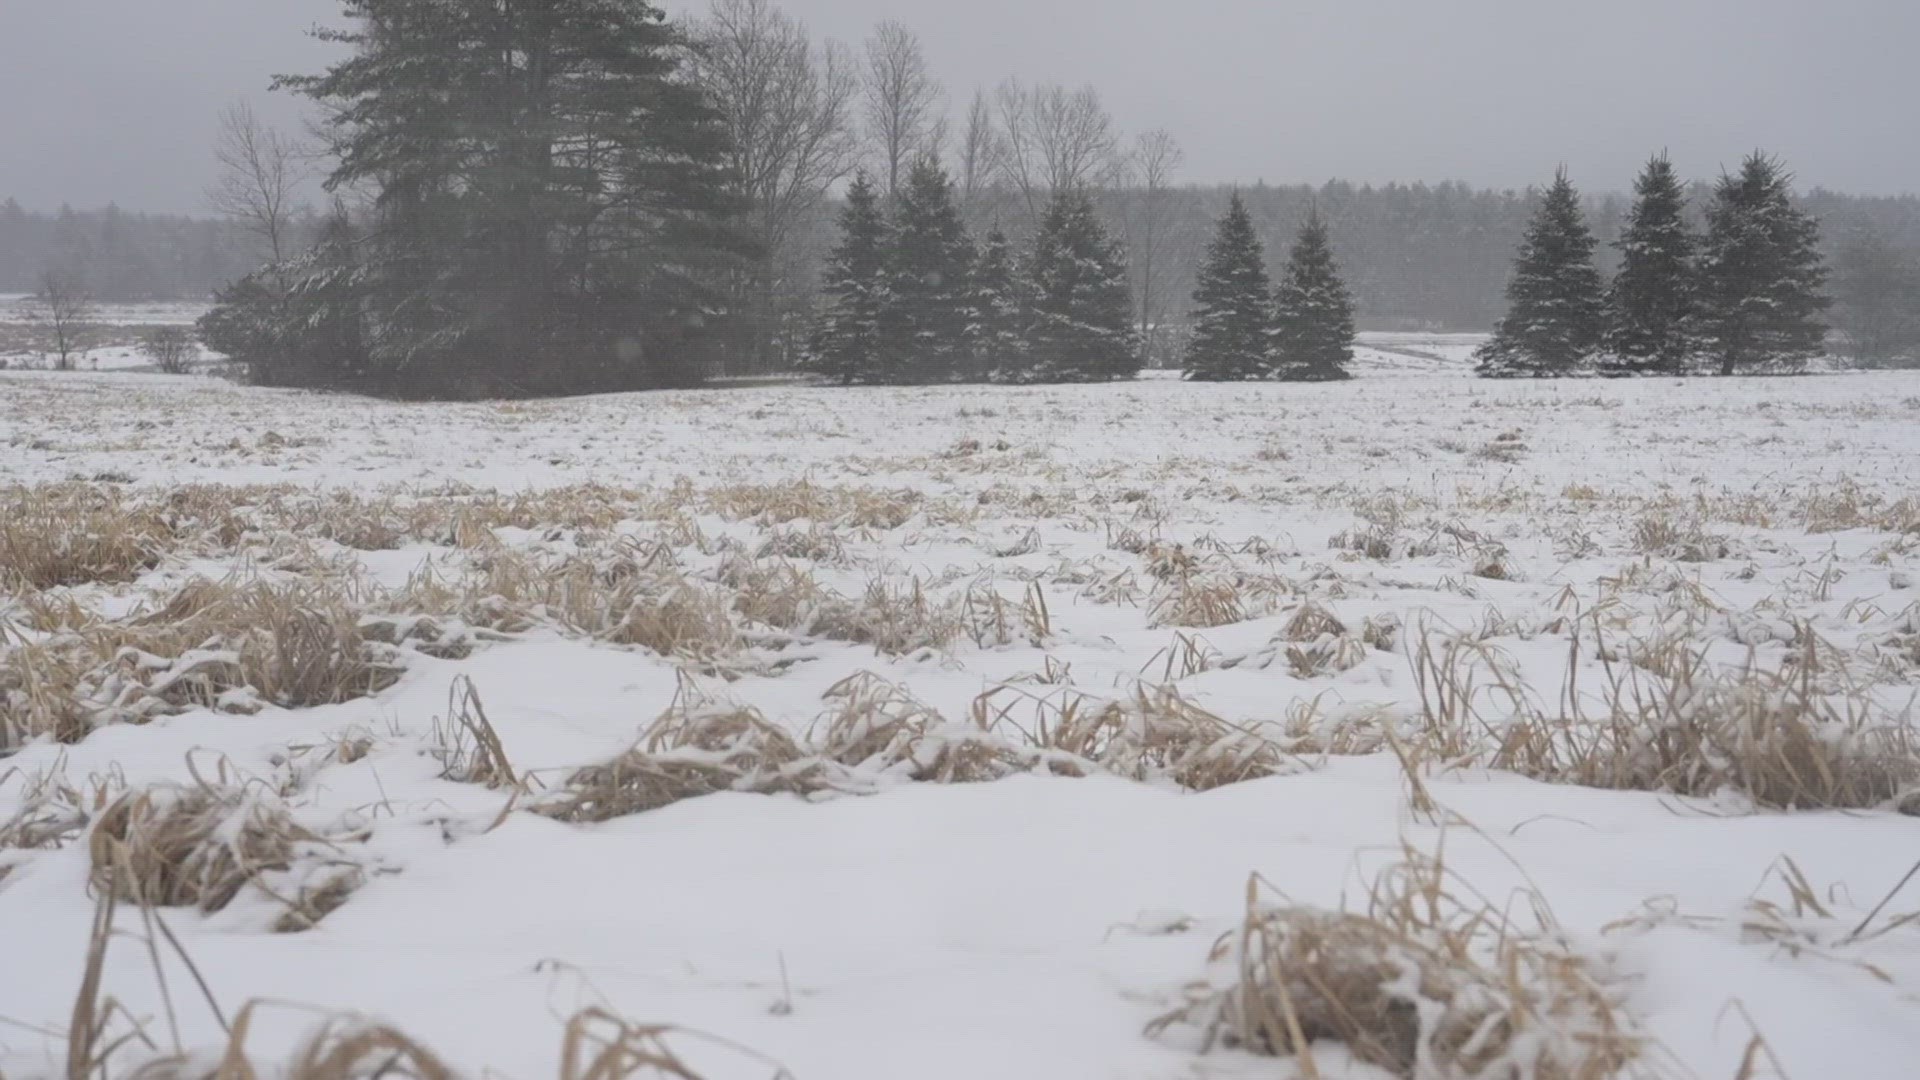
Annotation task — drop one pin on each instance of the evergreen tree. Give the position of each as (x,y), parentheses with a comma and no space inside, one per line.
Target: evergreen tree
(1762,277)
(1233,325)
(1082,301)
(998,331)
(847,342)
(1315,311)
(551,206)
(1556,305)
(929,272)
(297,323)
(1651,306)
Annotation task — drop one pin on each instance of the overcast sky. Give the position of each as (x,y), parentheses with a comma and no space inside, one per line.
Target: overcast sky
(115,99)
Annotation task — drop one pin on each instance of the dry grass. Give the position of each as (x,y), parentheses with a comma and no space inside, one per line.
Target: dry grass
(52,809)
(858,508)
(1153,734)
(1680,539)
(217,645)
(468,746)
(76,534)
(202,845)
(697,747)
(1428,981)
(1197,602)
(1668,721)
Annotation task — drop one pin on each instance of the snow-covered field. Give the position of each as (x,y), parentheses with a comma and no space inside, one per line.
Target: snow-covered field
(110,338)
(1181,635)
(16,308)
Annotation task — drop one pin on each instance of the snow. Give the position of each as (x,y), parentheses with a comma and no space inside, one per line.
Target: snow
(1029,926)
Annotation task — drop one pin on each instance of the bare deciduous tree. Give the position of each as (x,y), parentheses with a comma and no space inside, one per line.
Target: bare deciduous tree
(790,111)
(979,147)
(1156,157)
(904,119)
(261,171)
(1053,139)
(68,312)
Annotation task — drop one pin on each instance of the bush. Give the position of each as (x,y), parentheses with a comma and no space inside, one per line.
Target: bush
(171,348)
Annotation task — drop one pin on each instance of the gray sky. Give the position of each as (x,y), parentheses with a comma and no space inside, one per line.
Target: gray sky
(115,99)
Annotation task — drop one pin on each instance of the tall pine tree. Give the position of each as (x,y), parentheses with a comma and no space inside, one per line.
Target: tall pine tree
(1315,341)
(998,331)
(929,273)
(551,206)
(1653,302)
(1233,327)
(1556,309)
(848,346)
(1762,278)
(1082,302)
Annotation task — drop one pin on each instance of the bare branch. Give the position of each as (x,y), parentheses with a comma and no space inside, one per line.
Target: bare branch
(261,171)
(1054,139)
(903,102)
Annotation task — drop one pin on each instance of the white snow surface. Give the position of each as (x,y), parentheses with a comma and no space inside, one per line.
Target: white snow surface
(1029,927)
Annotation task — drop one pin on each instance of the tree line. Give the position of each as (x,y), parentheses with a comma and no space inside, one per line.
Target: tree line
(913,300)
(564,195)
(114,254)
(1746,295)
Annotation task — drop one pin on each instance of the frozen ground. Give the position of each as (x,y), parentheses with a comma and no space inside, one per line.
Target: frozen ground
(1180,536)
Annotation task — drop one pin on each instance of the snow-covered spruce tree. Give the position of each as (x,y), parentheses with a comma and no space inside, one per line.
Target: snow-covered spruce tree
(298,322)
(1082,302)
(847,342)
(1556,305)
(998,331)
(929,276)
(1315,311)
(1651,306)
(1762,278)
(552,209)
(1233,327)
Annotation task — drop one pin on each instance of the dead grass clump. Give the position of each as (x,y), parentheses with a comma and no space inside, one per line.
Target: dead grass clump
(52,810)
(876,727)
(993,620)
(1682,540)
(629,595)
(1156,733)
(896,620)
(859,508)
(296,646)
(209,645)
(783,595)
(1196,602)
(1667,721)
(1310,622)
(41,694)
(814,543)
(697,747)
(674,617)
(76,534)
(200,846)
(1423,983)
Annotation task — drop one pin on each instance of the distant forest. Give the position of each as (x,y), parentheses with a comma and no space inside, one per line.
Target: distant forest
(1417,257)
(120,255)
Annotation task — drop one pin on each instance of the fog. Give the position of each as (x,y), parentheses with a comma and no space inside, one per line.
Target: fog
(116,99)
